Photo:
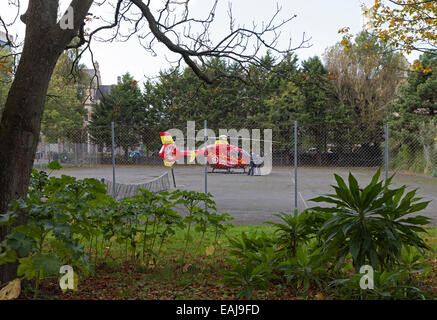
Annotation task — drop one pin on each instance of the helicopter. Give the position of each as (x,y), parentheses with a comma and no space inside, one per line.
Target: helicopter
(220,155)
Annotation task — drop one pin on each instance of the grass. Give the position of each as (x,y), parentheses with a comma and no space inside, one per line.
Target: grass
(199,277)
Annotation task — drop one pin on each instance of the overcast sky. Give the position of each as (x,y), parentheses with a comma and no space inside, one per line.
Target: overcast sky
(318,19)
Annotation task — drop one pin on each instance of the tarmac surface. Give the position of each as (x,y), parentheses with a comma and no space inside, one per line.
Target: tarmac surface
(254,199)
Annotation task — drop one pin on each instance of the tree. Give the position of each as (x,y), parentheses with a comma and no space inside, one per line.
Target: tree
(21,119)
(46,38)
(407,24)
(284,109)
(64,111)
(125,107)
(322,117)
(412,118)
(366,75)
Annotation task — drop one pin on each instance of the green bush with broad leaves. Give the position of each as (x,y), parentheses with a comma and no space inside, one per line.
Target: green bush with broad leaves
(56,217)
(253,260)
(71,222)
(307,266)
(290,255)
(307,251)
(201,212)
(387,285)
(297,229)
(371,223)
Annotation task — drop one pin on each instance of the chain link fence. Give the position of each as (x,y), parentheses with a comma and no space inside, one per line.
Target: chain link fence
(321,151)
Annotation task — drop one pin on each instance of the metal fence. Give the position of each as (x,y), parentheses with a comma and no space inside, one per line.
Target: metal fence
(305,154)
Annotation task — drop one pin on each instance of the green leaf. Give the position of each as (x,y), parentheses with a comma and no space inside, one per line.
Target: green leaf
(8,256)
(20,242)
(354,246)
(8,218)
(54,165)
(354,189)
(48,263)
(26,268)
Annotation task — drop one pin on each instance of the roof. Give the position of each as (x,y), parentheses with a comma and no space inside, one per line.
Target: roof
(103,90)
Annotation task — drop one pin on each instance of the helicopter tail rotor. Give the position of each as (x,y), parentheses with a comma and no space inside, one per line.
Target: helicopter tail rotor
(168,150)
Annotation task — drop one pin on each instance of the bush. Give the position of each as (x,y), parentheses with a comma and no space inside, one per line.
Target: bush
(370,223)
(298,229)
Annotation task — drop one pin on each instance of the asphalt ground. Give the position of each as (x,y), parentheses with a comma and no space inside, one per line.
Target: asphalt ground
(255,199)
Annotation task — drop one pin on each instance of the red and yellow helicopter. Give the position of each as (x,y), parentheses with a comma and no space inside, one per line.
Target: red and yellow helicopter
(220,155)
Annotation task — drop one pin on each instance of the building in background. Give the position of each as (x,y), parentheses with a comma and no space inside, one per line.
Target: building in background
(78,153)
(94,94)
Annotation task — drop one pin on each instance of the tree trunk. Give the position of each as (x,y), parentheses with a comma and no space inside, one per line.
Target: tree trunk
(21,121)
(20,126)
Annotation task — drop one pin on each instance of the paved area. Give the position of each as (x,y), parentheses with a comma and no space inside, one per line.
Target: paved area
(254,199)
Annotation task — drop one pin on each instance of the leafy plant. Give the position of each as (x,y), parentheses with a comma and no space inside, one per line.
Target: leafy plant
(253,261)
(306,267)
(297,229)
(196,214)
(370,223)
(56,216)
(392,285)
(248,276)
(248,244)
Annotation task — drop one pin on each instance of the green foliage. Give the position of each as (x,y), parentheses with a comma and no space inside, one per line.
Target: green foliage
(305,267)
(248,276)
(125,107)
(74,222)
(54,165)
(297,229)
(412,120)
(64,111)
(388,285)
(254,260)
(70,221)
(370,222)
(201,211)
(57,214)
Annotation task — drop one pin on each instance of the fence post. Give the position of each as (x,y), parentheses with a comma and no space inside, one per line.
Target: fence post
(386,151)
(75,155)
(174,180)
(295,167)
(205,138)
(113,159)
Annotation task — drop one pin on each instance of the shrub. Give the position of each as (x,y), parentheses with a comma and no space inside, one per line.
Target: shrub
(298,229)
(370,223)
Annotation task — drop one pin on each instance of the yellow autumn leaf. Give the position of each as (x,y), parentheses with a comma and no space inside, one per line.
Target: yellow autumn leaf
(320,296)
(209,250)
(137,236)
(282,246)
(11,291)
